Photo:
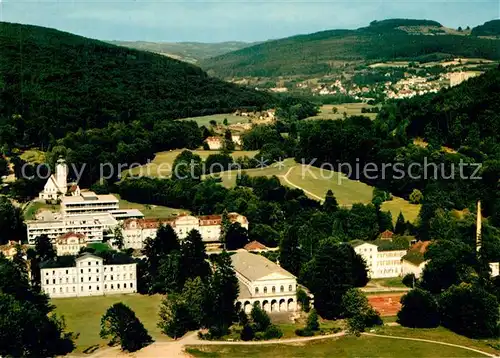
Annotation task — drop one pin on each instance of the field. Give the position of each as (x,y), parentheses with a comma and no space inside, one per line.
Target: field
(388,282)
(219,118)
(316,182)
(348,346)
(83,315)
(150,211)
(439,334)
(161,165)
(351,109)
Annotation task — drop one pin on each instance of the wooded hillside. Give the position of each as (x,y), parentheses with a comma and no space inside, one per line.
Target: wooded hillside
(52,82)
(321,52)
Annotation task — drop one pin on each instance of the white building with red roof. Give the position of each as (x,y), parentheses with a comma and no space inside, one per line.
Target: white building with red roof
(136,231)
(70,243)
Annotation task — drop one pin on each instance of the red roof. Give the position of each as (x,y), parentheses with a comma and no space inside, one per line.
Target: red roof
(254,245)
(387,234)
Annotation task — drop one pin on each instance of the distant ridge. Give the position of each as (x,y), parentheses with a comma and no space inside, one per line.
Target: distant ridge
(323,52)
(186,51)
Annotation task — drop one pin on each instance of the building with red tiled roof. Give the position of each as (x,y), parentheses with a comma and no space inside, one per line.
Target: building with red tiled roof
(136,231)
(255,246)
(214,143)
(387,235)
(70,243)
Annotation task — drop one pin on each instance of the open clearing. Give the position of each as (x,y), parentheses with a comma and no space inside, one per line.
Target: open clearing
(348,346)
(151,211)
(161,165)
(219,118)
(83,315)
(316,182)
(351,109)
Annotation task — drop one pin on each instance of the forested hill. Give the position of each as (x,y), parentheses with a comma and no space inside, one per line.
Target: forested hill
(52,82)
(490,28)
(466,115)
(319,53)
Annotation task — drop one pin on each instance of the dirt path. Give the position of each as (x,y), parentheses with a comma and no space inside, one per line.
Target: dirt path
(285,178)
(176,348)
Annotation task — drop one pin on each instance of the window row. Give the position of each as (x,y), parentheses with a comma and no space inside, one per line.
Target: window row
(273,289)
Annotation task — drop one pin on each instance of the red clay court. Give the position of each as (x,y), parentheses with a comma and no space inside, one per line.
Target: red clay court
(386,304)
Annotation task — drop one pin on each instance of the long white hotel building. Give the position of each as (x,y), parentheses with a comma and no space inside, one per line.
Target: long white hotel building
(89,276)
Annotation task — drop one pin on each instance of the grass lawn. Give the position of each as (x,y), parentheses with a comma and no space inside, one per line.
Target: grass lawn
(219,118)
(348,346)
(83,315)
(352,109)
(388,282)
(34,207)
(316,182)
(150,211)
(161,165)
(438,334)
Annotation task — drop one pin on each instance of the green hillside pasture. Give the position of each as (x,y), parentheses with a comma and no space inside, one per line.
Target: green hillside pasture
(351,109)
(316,182)
(219,118)
(161,165)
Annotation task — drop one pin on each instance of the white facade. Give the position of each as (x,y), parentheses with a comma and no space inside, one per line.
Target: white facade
(264,282)
(89,277)
(94,226)
(381,264)
(413,267)
(136,231)
(88,203)
(57,185)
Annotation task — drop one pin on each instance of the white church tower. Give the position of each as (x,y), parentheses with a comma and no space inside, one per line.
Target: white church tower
(62,175)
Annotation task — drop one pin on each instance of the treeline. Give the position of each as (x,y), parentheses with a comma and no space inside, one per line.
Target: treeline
(53,82)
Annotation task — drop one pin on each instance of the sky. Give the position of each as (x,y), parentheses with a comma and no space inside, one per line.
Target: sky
(232,20)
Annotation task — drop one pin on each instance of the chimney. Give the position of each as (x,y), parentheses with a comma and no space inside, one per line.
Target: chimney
(478,227)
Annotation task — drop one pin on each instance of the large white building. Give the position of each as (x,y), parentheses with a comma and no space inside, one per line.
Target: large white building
(381,260)
(263,281)
(88,276)
(87,213)
(88,202)
(93,226)
(136,231)
(57,185)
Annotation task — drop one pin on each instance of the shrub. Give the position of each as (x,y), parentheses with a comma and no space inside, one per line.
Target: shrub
(408,280)
(312,321)
(303,299)
(419,310)
(260,318)
(273,332)
(304,332)
(469,310)
(247,333)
